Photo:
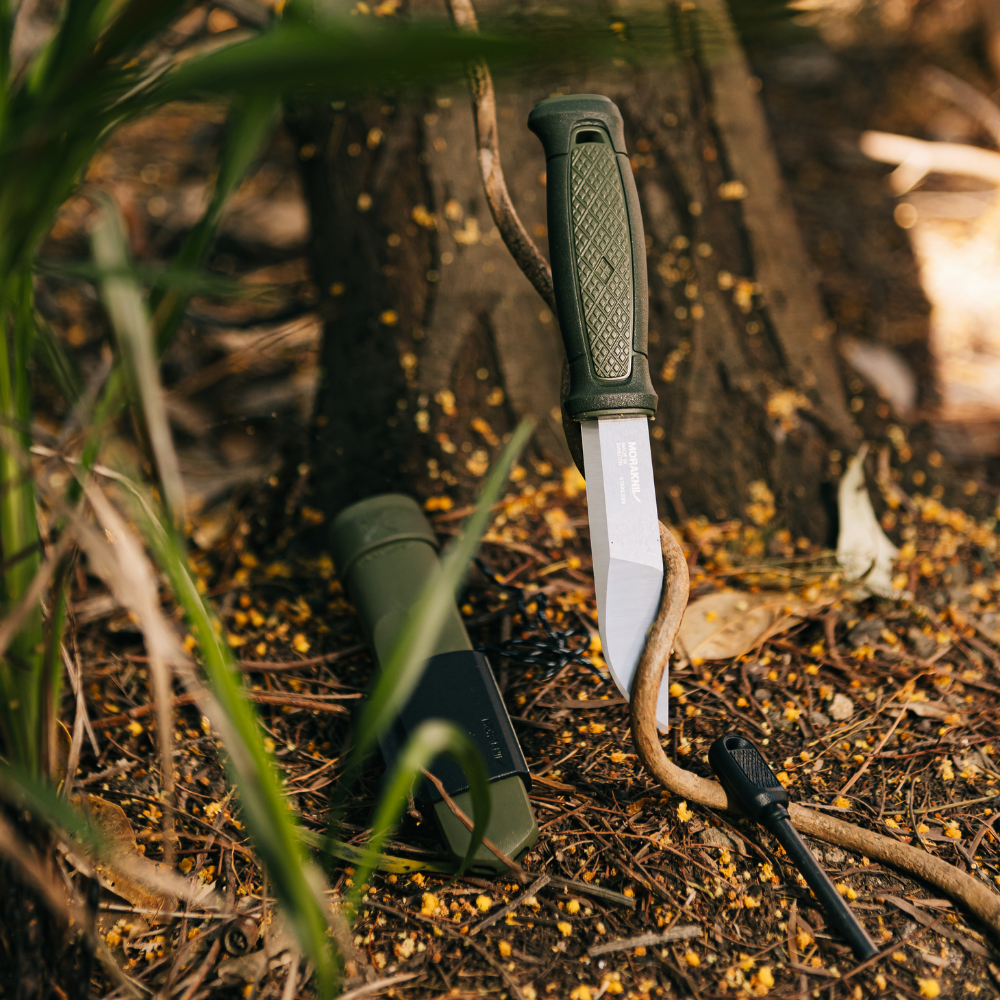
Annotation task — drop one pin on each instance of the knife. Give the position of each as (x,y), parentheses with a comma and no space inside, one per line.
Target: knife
(598,255)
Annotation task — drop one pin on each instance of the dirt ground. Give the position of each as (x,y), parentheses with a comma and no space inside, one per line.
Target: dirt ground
(881,712)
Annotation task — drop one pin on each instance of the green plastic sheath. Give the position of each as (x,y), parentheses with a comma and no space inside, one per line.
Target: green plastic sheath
(598,255)
(385,550)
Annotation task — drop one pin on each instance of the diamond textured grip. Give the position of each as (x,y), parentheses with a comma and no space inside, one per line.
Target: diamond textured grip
(598,254)
(603,257)
(750,784)
(755,768)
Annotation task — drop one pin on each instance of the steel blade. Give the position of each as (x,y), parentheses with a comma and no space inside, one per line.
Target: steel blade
(625,542)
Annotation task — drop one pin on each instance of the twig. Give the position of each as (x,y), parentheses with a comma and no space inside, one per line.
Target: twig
(595,891)
(81,722)
(260,697)
(277,666)
(14,621)
(203,970)
(913,820)
(511,907)
(378,984)
(280,666)
(288,993)
(829,621)
(468,824)
(881,743)
(685,933)
(143,911)
(982,830)
(972,947)
(521,246)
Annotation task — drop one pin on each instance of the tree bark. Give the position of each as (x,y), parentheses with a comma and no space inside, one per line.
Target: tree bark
(750,387)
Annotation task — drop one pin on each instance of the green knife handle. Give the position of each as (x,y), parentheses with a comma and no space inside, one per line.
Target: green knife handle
(598,255)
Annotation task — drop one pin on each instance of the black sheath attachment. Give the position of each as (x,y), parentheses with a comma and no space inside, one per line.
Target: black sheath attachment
(753,788)
(459,687)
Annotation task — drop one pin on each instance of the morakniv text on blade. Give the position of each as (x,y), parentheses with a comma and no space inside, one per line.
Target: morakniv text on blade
(598,255)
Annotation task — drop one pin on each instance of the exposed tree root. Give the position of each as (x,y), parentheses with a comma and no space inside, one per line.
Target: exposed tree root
(965,889)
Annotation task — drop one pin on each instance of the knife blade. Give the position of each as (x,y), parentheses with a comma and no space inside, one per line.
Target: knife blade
(598,254)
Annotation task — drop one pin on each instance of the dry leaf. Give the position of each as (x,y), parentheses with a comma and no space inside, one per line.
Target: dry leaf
(127,871)
(729,623)
(863,549)
(930,709)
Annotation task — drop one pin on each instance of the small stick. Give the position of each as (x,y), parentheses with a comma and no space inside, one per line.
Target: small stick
(685,933)
(260,697)
(468,824)
(510,907)
(881,743)
(279,666)
(596,891)
(203,970)
(379,984)
(982,830)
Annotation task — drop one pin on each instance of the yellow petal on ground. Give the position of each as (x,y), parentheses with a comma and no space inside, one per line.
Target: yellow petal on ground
(301,643)
(929,988)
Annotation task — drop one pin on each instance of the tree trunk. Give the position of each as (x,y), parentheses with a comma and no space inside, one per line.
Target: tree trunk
(750,387)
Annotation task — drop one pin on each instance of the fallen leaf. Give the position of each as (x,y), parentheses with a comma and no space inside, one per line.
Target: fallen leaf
(729,623)
(930,709)
(127,871)
(863,550)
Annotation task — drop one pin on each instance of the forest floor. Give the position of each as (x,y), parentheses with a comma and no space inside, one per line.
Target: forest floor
(882,712)
(899,696)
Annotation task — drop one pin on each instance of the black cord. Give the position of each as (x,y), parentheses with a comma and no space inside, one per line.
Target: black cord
(550,651)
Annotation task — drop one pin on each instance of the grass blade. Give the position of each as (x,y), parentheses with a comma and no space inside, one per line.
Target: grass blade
(404,666)
(296,881)
(431,739)
(22,683)
(130,319)
(346,56)
(60,365)
(250,121)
